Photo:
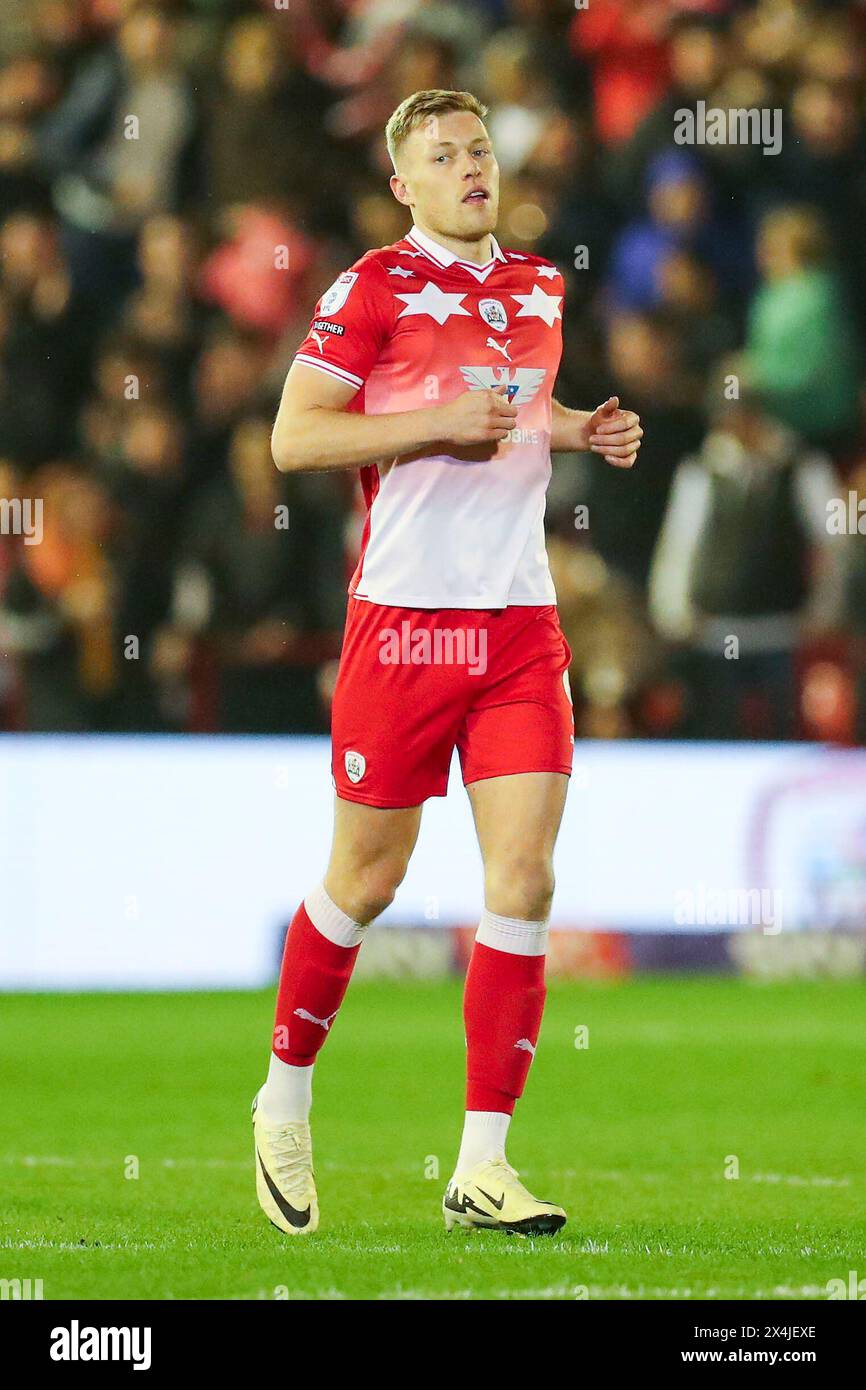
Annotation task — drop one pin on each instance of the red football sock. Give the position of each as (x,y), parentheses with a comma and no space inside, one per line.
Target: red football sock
(313,979)
(502,1006)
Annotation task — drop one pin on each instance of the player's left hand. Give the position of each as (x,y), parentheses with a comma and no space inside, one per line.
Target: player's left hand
(615,434)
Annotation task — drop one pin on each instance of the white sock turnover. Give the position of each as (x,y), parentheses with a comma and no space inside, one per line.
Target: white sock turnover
(484,1134)
(287,1094)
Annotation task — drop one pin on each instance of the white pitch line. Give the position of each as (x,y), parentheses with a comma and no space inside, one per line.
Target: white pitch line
(65,1161)
(794,1180)
(75,1247)
(604,1175)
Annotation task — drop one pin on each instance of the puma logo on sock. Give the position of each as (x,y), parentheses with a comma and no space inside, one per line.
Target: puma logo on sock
(322,1022)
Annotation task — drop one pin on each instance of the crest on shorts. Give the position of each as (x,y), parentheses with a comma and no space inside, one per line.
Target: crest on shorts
(356,765)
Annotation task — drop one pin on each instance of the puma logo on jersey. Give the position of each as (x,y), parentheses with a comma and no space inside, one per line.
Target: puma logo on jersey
(525,1046)
(319,341)
(311,1018)
(500,347)
(521,383)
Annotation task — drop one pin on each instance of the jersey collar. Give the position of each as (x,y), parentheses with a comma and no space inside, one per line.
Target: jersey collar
(445,258)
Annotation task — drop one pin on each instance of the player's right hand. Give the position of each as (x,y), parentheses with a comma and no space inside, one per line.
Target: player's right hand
(478,417)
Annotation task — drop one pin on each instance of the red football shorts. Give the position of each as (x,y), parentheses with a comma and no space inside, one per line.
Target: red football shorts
(416,683)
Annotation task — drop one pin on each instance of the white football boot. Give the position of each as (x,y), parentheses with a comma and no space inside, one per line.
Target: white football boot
(492,1196)
(285,1183)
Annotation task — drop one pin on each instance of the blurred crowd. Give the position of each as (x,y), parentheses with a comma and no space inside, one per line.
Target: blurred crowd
(179,182)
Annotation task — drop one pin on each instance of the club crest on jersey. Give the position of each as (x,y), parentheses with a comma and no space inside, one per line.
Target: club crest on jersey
(334,298)
(356,765)
(521,383)
(493,313)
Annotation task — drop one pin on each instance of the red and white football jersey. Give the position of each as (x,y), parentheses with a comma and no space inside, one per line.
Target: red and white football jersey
(411,326)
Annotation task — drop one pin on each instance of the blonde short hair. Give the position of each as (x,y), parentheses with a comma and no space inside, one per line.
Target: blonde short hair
(422,107)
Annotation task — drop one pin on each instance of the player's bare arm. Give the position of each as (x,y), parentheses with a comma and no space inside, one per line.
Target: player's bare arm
(614,433)
(315,431)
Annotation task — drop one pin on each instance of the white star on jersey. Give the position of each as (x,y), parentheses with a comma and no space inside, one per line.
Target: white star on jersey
(435,302)
(539,305)
(401,271)
(547,272)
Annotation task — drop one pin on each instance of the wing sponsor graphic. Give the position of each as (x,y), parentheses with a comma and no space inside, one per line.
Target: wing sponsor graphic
(522,383)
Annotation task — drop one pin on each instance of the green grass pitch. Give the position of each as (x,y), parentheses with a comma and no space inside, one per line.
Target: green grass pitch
(633,1134)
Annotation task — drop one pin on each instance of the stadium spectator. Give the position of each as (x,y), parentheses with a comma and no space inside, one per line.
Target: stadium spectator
(226,382)
(165,316)
(647,367)
(121,145)
(743,561)
(43,343)
(260,115)
(253,276)
(257,579)
(699,52)
(617,654)
(59,604)
(680,218)
(625,42)
(801,349)
(523,104)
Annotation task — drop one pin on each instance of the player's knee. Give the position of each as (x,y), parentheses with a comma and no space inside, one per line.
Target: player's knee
(375,894)
(521,887)
(368,887)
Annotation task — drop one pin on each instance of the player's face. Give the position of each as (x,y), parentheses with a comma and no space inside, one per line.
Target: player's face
(449,177)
